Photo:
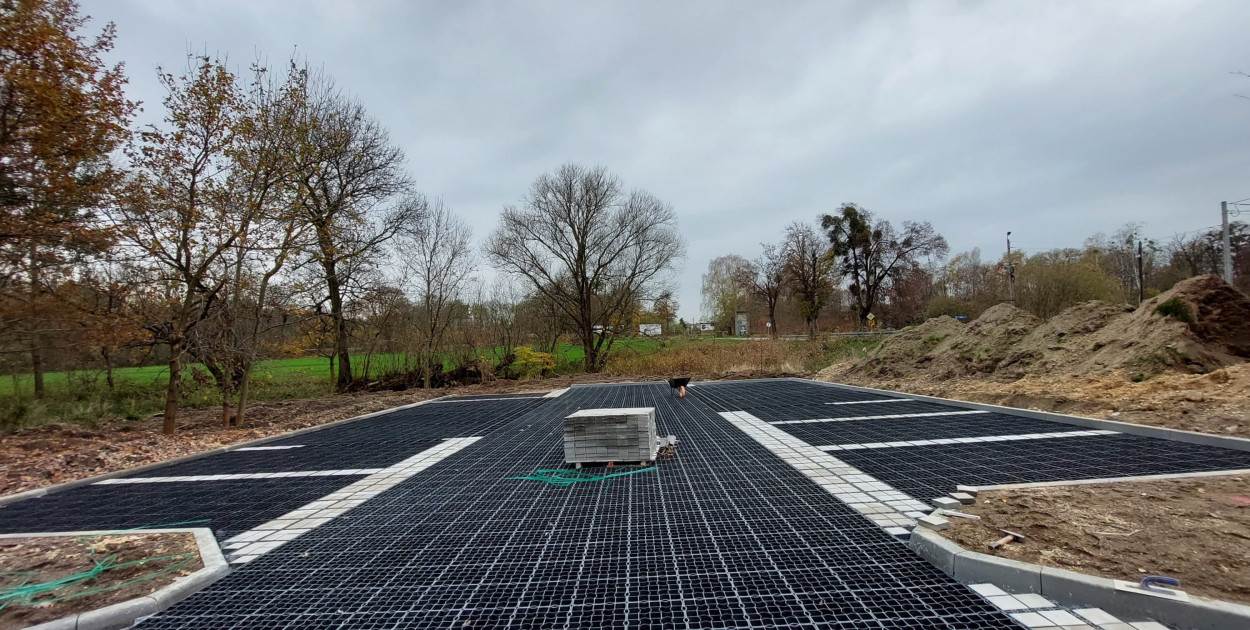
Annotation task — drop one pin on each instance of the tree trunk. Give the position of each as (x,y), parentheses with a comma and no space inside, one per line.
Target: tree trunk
(225,410)
(241,410)
(772,319)
(175,384)
(108,367)
(590,360)
(36,352)
(36,365)
(427,362)
(344,379)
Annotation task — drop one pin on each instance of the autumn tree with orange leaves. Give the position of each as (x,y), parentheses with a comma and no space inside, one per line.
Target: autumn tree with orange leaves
(176,208)
(62,113)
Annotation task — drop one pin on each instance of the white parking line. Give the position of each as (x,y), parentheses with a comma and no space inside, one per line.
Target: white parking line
(876,500)
(238,476)
(966,440)
(265,538)
(889,417)
(870,402)
(267,448)
(452,400)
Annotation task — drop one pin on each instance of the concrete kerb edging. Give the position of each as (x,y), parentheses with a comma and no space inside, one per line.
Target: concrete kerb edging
(69,485)
(123,614)
(1178,435)
(1069,588)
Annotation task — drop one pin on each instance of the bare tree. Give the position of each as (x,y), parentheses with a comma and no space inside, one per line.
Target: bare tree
(349,173)
(438,260)
(765,279)
(808,265)
(591,248)
(871,255)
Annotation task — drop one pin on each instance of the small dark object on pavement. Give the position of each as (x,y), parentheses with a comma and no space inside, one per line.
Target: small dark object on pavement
(679,384)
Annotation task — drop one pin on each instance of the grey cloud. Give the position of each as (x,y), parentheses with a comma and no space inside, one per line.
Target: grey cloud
(1054,120)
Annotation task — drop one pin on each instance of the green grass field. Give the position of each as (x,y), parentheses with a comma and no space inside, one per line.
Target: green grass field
(82,397)
(277,371)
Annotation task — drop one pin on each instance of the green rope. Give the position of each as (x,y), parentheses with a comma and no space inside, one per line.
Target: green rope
(562,478)
(25,593)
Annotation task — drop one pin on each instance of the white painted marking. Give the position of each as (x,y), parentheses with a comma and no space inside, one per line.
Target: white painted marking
(454,400)
(293,524)
(887,417)
(556,393)
(986,438)
(273,475)
(871,402)
(267,448)
(875,499)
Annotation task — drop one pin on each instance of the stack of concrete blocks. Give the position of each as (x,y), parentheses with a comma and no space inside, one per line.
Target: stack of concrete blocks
(625,435)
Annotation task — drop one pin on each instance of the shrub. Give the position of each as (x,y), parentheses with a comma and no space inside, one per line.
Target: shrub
(530,363)
(1176,309)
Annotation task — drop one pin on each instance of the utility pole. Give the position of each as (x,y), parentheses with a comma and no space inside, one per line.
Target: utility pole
(1228,246)
(1141,277)
(1011,273)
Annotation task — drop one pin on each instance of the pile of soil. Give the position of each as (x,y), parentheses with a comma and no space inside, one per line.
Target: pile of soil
(1094,338)
(161,559)
(1195,530)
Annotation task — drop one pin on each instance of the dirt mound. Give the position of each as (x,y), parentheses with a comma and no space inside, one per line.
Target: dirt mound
(986,342)
(1061,341)
(1210,331)
(1200,325)
(910,349)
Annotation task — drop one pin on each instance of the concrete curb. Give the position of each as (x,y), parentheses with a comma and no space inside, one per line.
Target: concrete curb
(1084,482)
(69,485)
(123,614)
(1178,435)
(1069,588)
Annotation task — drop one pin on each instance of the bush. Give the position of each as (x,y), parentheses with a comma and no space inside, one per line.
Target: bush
(1176,309)
(530,363)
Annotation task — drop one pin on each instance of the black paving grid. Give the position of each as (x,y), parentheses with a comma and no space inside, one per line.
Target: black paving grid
(785,399)
(926,472)
(371,443)
(232,507)
(723,535)
(923,428)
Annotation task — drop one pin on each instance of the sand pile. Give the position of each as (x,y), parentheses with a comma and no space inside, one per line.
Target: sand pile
(1200,325)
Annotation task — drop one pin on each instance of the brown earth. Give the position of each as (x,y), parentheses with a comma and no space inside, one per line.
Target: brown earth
(1093,359)
(56,453)
(1196,530)
(30,561)
(1094,338)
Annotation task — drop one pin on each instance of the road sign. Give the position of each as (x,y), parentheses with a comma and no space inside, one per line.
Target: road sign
(870,317)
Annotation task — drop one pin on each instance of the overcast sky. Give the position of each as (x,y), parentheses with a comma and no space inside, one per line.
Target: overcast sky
(1053,120)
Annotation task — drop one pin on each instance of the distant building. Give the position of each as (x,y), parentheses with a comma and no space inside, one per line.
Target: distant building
(650,330)
(742,321)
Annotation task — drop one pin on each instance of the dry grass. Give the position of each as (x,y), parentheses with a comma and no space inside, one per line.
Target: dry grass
(724,357)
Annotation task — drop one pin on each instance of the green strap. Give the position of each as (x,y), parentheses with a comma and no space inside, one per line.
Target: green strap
(562,478)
